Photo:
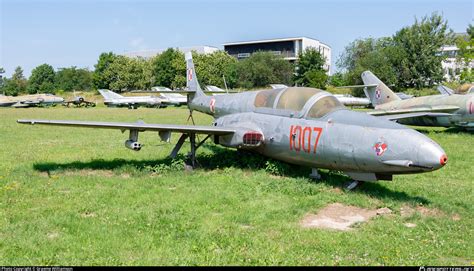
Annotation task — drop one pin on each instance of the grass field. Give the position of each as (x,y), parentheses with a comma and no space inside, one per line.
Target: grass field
(79,197)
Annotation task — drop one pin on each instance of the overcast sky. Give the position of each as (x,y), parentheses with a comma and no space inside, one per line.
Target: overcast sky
(66,33)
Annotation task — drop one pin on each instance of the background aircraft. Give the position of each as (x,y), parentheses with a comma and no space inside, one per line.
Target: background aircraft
(468,89)
(30,100)
(113,99)
(170,96)
(436,110)
(304,126)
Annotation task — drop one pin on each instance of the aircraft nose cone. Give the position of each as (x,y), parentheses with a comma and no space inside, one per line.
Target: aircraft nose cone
(443,160)
(431,155)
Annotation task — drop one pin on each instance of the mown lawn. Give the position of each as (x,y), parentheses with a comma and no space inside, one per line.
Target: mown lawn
(79,197)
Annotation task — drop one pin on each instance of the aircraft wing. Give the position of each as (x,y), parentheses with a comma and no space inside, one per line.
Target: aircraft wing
(430,109)
(139,126)
(413,115)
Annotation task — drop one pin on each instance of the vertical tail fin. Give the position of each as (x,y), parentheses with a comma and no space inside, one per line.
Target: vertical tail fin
(192,83)
(381,93)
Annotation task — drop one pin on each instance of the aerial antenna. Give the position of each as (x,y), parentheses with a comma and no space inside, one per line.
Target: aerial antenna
(225,84)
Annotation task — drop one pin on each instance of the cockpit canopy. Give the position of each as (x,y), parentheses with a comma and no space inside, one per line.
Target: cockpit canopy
(309,102)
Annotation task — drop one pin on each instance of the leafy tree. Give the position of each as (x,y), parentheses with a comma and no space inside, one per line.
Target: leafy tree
(263,68)
(126,73)
(421,43)
(2,80)
(369,54)
(410,58)
(99,79)
(466,54)
(72,78)
(168,68)
(17,84)
(310,69)
(212,67)
(41,79)
(338,79)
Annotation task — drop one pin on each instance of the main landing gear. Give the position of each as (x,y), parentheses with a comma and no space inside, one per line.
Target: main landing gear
(192,162)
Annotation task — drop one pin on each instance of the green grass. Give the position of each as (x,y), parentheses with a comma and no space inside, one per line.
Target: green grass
(79,197)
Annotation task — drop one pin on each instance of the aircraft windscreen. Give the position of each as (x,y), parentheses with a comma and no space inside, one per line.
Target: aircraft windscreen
(266,98)
(323,106)
(294,98)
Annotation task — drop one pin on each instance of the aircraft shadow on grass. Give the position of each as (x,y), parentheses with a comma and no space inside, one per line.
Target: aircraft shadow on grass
(225,158)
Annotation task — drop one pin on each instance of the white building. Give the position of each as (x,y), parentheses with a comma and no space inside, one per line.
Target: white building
(452,66)
(289,48)
(153,52)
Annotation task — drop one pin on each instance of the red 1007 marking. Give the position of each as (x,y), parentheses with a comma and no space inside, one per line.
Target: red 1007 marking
(301,138)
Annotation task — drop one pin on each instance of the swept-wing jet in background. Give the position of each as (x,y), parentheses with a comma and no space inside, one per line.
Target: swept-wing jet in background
(466,88)
(170,97)
(6,101)
(113,99)
(349,100)
(30,100)
(436,110)
(303,126)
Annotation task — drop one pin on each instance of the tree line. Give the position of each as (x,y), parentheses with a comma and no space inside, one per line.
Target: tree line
(168,69)
(411,58)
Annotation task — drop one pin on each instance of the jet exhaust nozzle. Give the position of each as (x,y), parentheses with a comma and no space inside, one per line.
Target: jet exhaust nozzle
(133,145)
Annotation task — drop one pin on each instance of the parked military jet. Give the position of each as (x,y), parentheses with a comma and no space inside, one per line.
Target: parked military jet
(30,100)
(304,126)
(467,89)
(349,100)
(170,97)
(113,99)
(436,110)
(6,101)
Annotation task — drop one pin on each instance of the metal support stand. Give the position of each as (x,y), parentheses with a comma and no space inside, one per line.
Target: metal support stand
(315,174)
(352,185)
(194,147)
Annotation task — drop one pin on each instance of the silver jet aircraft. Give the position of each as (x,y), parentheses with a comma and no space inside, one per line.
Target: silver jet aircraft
(435,110)
(113,99)
(31,100)
(170,96)
(303,126)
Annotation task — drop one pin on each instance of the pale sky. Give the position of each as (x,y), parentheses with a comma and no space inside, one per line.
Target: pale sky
(66,33)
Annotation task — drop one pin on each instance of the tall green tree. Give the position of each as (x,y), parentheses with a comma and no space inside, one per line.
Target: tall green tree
(99,79)
(421,43)
(262,69)
(129,74)
(168,69)
(41,79)
(2,80)
(466,54)
(16,84)
(369,54)
(72,78)
(310,69)
(212,67)
(410,58)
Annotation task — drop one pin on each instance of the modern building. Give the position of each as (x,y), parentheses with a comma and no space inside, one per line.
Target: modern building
(153,52)
(289,48)
(452,65)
